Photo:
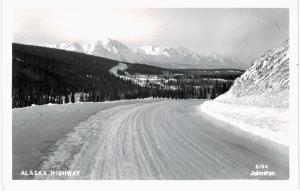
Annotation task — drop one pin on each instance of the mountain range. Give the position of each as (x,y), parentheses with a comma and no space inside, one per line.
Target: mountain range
(161,56)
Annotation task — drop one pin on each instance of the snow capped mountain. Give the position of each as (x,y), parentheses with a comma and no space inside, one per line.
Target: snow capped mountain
(265,83)
(169,57)
(161,56)
(184,58)
(111,49)
(66,46)
(150,50)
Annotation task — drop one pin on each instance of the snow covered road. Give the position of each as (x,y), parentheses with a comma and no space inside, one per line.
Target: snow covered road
(164,139)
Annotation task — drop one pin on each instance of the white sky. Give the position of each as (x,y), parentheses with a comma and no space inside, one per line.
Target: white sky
(243,33)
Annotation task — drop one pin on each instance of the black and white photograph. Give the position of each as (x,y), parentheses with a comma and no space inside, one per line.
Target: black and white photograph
(151,93)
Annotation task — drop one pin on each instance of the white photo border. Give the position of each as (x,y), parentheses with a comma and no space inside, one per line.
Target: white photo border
(7,14)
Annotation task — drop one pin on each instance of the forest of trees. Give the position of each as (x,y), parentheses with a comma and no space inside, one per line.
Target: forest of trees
(45,75)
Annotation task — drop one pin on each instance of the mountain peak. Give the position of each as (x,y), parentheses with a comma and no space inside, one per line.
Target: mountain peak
(153,50)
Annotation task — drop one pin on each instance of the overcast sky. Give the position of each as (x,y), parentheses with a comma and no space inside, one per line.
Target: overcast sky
(242,33)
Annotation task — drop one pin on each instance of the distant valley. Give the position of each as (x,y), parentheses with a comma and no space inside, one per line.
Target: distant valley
(49,75)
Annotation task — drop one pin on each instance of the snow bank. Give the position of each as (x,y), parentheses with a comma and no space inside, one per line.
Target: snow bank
(258,101)
(268,123)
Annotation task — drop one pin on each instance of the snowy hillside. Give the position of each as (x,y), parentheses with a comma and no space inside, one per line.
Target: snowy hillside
(258,100)
(160,56)
(265,83)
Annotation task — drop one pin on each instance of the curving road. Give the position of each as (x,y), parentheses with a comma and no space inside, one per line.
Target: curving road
(163,140)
